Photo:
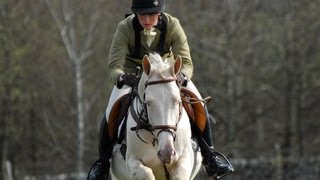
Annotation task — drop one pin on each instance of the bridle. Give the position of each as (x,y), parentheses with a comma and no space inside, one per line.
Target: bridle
(142,120)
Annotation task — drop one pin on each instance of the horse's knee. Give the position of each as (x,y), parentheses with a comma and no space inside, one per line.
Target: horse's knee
(183,170)
(138,170)
(181,174)
(143,173)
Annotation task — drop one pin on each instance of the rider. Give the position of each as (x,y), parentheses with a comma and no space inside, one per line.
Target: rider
(149,29)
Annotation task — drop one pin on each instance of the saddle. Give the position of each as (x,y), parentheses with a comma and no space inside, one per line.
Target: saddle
(119,111)
(194,108)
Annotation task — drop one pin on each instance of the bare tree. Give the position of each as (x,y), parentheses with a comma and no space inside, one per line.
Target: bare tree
(65,18)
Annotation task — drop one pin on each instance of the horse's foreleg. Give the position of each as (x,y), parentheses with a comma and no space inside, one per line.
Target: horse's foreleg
(183,169)
(138,170)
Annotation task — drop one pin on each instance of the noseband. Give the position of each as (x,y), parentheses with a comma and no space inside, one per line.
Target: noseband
(143,121)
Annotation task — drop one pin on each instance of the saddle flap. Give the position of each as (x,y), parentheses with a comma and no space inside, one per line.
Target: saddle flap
(195,109)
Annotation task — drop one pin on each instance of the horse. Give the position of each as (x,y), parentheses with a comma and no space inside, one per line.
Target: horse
(158,140)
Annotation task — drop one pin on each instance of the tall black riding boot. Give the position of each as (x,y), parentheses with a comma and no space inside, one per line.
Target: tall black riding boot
(100,169)
(213,165)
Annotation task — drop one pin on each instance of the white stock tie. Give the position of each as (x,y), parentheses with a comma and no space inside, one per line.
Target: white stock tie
(150,35)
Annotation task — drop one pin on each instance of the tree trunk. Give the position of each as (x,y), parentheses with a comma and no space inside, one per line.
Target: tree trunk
(80,115)
(9,170)
(67,29)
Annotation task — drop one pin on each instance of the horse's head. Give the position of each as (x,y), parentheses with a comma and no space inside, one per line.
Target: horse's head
(162,101)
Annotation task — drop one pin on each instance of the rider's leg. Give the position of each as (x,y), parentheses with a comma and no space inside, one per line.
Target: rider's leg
(211,162)
(100,169)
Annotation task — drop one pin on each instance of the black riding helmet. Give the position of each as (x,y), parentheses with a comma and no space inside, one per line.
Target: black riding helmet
(148,6)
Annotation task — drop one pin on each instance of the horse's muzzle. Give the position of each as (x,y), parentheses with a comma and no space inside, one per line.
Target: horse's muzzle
(166,155)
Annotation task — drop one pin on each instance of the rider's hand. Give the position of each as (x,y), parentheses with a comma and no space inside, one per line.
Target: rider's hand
(128,79)
(182,79)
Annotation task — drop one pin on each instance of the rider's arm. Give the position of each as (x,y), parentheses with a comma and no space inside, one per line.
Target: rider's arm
(118,51)
(180,46)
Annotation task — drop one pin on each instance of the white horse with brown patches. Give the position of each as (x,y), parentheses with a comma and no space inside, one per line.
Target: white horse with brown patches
(158,132)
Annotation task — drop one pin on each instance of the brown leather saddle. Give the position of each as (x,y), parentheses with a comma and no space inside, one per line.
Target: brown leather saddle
(195,110)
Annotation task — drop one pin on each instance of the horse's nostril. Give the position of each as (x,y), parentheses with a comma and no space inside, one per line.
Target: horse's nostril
(160,157)
(166,156)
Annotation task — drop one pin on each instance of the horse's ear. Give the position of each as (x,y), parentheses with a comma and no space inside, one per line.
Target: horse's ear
(146,64)
(177,64)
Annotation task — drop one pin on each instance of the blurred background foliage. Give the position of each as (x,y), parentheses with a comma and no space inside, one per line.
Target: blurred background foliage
(259,60)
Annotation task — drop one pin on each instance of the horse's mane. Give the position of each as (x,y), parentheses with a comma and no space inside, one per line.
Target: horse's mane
(159,70)
(159,65)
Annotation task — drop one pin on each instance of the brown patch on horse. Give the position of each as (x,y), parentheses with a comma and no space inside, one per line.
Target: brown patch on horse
(118,112)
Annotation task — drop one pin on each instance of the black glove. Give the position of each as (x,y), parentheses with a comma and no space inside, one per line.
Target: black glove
(182,79)
(128,79)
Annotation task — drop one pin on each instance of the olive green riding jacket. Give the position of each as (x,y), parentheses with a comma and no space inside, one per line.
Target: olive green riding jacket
(123,42)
